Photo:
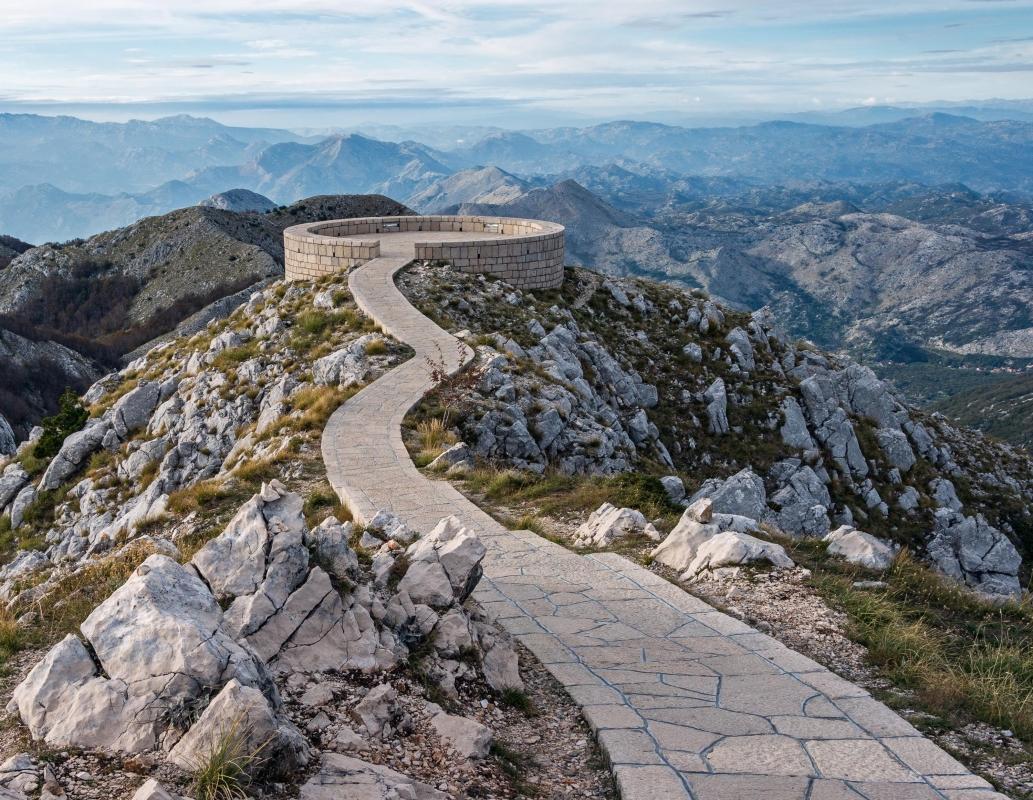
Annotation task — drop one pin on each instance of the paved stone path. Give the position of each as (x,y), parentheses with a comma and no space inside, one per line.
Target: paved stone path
(686,702)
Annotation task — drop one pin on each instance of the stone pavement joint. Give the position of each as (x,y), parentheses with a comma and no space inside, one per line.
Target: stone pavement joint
(686,702)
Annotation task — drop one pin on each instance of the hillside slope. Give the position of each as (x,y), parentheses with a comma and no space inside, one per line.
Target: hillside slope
(11,248)
(113,292)
(1003,409)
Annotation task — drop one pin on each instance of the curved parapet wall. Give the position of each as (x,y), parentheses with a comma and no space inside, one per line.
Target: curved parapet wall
(524,252)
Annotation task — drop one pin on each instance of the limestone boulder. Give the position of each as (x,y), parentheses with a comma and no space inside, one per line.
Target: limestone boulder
(608,523)
(974,552)
(157,646)
(679,548)
(742,494)
(861,548)
(944,494)
(346,367)
(674,488)
(459,453)
(909,499)
(19,774)
(8,444)
(427,582)
(717,407)
(456,549)
(340,776)
(794,430)
(152,790)
(500,665)
(76,448)
(234,563)
(468,738)
(133,410)
(801,505)
(380,711)
(330,543)
(741,348)
(387,525)
(733,549)
(896,447)
(12,481)
(164,622)
(277,747)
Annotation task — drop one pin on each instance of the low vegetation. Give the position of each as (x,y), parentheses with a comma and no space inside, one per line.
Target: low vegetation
(224,772)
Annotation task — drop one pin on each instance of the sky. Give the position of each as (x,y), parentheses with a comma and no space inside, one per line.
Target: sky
(309,63)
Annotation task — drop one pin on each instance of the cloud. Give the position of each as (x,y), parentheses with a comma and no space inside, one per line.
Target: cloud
(591,57)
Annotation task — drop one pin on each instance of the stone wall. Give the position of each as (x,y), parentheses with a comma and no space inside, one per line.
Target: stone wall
(308,255)
(529,254)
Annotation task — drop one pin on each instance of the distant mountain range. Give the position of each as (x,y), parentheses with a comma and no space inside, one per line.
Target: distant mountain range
(63,178)
(907,241)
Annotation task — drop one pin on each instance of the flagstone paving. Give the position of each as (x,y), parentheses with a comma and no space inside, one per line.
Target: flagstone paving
(686,702)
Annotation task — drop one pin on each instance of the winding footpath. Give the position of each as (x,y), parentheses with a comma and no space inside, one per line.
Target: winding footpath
(686,702)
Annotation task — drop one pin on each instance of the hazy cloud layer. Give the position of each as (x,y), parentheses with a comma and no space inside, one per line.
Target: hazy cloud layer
(463,61)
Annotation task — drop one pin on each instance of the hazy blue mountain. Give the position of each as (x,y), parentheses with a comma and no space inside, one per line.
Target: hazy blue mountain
(341,164)
(44,213)
(107,157)
(935,148)
(482,185)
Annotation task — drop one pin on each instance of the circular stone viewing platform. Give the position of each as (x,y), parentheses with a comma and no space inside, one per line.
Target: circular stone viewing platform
(527,253)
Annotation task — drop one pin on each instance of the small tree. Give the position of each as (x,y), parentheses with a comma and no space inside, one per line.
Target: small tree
(70,417)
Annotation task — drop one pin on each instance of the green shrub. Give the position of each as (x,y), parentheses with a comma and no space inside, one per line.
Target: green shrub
(70,417)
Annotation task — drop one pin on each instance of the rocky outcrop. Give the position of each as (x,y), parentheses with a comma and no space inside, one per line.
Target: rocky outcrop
(178,654)
(245,712)
(345,367)
(590,417)
(974,552)
(704,541)
(826,442)
(8,444)
(159,647)
(609,523)
(742,494)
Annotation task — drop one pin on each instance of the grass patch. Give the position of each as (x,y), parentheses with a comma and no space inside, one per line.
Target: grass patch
(12,637)
(316,403)
(232,357)
(515,764)
(225,771)
(963,658)
(433,436)
(518,699)
(376,347)
(322,500)
(556,494)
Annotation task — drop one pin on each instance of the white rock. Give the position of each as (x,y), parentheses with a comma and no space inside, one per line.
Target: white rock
(862,548)
(246,712)
(679,549)
(467,737)
(341,776)
(729,548)
(347,739)
(133,410)
(19,774)
(427,582)
(378,708)
(152,790)
(674,488)
(609,523)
